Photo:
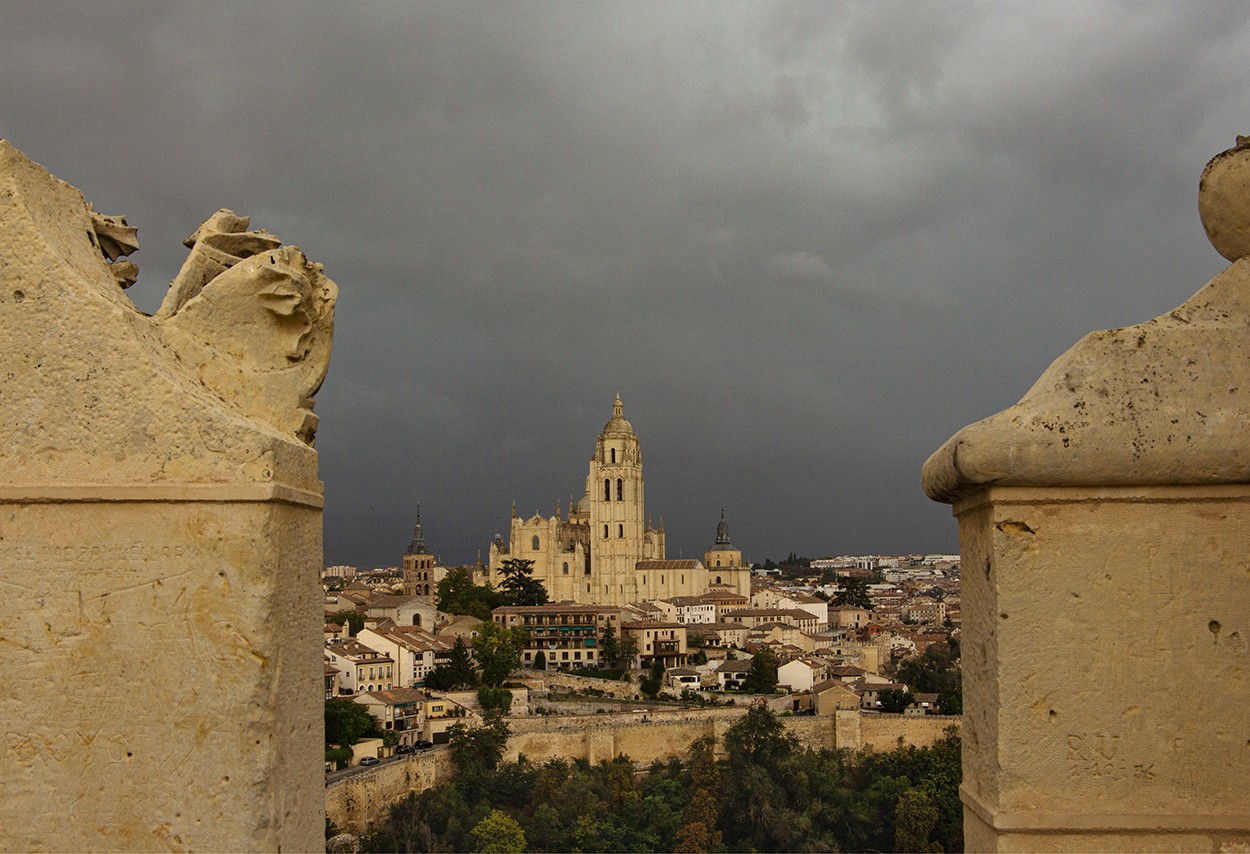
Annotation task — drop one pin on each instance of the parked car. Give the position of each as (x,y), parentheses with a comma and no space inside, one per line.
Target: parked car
(424,744)
(369,760)
(403,748)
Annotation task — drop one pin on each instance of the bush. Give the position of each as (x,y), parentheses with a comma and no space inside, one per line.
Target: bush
(494,699)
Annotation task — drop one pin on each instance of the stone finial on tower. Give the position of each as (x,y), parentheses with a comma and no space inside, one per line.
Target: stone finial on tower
(1224,200)
(1162,402)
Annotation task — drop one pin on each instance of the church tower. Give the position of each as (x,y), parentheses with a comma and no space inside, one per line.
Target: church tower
(723,552)
(418,565)
(619,534)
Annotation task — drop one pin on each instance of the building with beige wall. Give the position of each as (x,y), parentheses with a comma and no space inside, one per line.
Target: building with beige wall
(604,550)
(663,641)
(567,634)
(360,668)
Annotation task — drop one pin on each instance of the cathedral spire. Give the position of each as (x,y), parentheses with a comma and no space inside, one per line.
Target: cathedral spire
(722,530)
(617,409)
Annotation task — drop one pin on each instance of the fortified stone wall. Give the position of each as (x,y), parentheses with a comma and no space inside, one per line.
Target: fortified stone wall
(567,683)
(355,802)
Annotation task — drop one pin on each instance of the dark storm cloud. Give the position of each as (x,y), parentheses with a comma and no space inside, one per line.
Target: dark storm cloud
(806,242)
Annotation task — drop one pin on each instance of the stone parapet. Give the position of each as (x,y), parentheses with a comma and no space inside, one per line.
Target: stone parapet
(160,548)
(1104,525)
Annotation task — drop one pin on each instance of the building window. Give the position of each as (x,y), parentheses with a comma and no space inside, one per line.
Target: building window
(607,489)
(605,532)
(614,455)
(535,543)
(620,531)
(620,490)
(566,567)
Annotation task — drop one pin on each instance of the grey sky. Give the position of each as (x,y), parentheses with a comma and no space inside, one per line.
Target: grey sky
(805,242)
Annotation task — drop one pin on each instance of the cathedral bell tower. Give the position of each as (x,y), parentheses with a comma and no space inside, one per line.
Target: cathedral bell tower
(618,531)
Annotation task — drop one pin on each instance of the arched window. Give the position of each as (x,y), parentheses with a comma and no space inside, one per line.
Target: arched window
(587,572)
(718,579)
(718,561)
(416,619)
(620,490)
(535,543)
(620,531)
(607,489)
(566,567)
(614,455)
(605,532)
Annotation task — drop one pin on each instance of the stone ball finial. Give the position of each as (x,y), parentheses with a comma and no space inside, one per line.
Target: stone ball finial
(1224,200)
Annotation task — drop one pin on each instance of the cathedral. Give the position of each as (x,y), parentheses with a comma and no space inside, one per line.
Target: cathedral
(604,550)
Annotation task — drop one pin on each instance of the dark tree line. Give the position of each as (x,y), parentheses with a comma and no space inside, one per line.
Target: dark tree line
(768,794)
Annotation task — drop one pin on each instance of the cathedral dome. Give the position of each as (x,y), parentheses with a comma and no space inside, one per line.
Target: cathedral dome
(617,423)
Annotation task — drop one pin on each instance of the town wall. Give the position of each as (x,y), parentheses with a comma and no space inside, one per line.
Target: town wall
(358,800)
(355,802)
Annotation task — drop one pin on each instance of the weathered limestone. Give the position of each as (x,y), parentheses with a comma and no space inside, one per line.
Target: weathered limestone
(1104,526)
(160,535)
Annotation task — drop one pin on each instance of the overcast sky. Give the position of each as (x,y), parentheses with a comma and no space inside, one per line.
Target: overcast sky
(806,242)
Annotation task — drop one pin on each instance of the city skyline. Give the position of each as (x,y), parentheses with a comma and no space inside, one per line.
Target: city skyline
(806,243)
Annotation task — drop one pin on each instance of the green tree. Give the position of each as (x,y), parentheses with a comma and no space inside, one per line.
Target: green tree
(894,700)
(914,819)
(498,651)
(498,833)
(354,620)
(609,648)
(654,680)
(457,672)
(759,737)
(540,660)
(476,751)
(494,699)
(518,586)
(853,591)
(936,670)
(457,594)
(762,677)
(699,835)
(347,722)
(952,702)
